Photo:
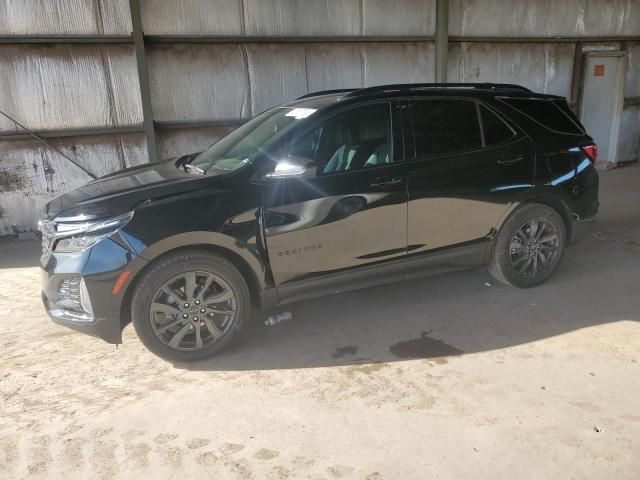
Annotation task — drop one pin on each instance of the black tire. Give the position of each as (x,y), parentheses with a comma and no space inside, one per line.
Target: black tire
(228,321)
(517,257)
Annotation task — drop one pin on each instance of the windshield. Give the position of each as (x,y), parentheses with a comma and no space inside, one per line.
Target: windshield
(243,144)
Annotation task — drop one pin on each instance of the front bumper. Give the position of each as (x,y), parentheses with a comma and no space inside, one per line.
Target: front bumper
(99,267)
(104,328)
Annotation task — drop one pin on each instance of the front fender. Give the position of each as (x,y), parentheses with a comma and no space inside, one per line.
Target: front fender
(214,239)
(249,257)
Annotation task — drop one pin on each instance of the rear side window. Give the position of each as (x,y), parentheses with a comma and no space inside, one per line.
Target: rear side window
(546,113)
(495,130)
(443,126)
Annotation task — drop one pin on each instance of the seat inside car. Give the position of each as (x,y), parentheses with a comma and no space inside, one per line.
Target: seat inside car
(354,150)
(345,139)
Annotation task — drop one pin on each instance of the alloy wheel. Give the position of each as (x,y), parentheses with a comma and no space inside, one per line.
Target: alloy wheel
(534,247)
(193,310)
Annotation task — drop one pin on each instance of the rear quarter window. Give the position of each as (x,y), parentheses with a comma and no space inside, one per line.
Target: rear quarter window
(546,113)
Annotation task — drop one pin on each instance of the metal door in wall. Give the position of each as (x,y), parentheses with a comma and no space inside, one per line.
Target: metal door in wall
(602,97)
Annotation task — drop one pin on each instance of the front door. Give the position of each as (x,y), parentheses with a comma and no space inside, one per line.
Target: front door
(346,227)
(467,166)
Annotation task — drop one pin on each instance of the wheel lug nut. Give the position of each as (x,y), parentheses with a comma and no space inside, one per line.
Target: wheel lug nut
(195,319)
(186,305)
(202,310)
(197,302)
(184,315)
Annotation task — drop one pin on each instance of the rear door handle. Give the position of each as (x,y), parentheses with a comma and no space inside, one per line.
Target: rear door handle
(384,181)
(511,160)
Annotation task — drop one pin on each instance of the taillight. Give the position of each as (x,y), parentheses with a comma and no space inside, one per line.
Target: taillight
(591,150)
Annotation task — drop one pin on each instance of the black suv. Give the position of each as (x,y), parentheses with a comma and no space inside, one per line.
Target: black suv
(335,191)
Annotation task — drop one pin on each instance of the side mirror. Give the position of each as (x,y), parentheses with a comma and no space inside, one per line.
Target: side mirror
(293,167)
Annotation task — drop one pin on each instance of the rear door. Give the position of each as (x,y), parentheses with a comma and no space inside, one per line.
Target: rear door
(468,164)
(346,227)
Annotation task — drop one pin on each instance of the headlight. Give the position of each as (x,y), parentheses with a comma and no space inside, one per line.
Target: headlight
(77,244)
(75,237)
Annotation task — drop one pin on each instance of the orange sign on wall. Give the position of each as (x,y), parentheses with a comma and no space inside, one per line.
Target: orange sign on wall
(598,70)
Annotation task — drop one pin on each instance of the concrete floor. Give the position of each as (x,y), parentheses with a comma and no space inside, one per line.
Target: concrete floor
(441,378)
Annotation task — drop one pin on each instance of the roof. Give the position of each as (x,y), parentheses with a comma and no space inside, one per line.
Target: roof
(323,98)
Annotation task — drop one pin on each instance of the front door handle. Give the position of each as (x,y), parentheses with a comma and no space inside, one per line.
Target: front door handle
(384,181)
(511,160)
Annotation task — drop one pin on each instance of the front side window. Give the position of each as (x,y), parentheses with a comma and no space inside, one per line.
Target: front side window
(357,139)
(443,126)
(247,141)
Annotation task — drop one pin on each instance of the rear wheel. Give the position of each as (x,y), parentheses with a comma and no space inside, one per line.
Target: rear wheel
(190,305)
(529,247)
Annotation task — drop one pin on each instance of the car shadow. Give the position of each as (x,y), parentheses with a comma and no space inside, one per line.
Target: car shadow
(444,316)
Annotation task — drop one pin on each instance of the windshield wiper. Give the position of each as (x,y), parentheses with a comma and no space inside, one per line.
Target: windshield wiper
(193,169)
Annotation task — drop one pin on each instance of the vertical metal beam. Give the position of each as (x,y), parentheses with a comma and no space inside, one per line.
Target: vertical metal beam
(442,39)
(143,79)
(577,79)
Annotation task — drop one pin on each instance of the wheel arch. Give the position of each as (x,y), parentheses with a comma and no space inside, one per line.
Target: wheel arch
(550,199)
(248,264)
(559,206)
(544,197)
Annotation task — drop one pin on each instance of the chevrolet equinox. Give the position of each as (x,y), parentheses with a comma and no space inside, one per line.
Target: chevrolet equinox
(335,191)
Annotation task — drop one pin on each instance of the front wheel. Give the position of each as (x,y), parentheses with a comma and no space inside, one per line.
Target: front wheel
(190,305)
(529,247)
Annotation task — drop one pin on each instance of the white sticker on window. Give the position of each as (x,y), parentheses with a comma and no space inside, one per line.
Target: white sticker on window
(300,113)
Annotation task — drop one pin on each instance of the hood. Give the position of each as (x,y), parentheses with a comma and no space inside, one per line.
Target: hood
(123,190)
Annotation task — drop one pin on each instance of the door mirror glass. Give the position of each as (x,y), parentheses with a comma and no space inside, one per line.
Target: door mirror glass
(293,167)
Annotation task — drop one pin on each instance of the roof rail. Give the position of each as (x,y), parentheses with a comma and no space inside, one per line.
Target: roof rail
(420,86)
(326,92)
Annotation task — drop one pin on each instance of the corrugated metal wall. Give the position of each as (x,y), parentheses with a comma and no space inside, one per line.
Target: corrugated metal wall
(69,86)
(65,17)
(544,18)
(289,17)
(329,44)
(543,67)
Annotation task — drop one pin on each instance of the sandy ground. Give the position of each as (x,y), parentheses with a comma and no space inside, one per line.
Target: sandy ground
(442,378)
